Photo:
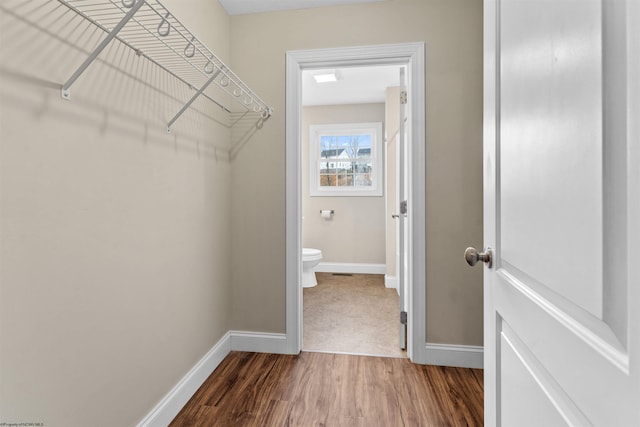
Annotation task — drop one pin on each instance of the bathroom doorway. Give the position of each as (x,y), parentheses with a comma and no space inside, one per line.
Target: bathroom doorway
(349,125)
(308,64)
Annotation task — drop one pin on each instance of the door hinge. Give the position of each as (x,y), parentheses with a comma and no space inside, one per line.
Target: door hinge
(403,97)
(403,207)
(403,317)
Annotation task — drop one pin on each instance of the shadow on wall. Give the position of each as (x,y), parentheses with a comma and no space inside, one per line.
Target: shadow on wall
(244,126)
(121,91)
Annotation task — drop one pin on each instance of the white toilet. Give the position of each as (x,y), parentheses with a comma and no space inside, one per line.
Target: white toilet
(310,258)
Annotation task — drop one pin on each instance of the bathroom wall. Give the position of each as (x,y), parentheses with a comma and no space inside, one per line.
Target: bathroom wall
(452,31)
(114,235)
(356,232)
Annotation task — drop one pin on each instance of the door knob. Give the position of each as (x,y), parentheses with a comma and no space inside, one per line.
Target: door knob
(473,256)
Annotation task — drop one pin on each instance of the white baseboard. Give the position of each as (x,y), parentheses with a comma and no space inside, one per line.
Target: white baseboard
(460,356)
(258,342)
(166,410)
(348,267)
(391,282)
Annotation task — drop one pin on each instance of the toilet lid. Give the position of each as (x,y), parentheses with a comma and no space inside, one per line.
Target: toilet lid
(311,252)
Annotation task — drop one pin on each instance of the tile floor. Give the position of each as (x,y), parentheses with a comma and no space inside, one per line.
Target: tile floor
(351,314)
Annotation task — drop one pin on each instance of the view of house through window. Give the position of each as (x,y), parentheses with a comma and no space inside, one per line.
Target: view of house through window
(345,159)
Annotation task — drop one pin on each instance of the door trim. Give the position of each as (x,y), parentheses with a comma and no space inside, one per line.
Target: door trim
(412,55)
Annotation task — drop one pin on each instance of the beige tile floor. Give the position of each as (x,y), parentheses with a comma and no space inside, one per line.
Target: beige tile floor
(351,314)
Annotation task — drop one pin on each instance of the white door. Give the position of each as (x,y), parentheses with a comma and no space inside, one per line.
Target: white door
(562,212)
(402,195)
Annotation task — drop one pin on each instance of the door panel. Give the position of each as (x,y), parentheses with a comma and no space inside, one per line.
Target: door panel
(561,329)
(523,378)
(550,146)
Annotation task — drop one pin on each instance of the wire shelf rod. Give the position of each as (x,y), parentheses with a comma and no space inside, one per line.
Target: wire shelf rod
(154,33)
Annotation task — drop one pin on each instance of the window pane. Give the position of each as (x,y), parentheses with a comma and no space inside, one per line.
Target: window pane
(345,180)
(350,145)
(362,167)
(329,147)
(327,180)
(363,149)
(362,180)
(324,167)
(349,167)
(364,153)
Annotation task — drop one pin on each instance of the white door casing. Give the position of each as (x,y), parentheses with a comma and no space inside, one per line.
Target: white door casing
(562,212)
(411,55)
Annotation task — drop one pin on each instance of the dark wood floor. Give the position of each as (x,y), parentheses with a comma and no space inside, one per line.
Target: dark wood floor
(320,389)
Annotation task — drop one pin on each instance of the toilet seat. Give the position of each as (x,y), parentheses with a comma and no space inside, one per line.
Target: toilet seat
(309,254)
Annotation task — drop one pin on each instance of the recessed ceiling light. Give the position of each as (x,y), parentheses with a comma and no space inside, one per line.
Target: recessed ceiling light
(326,77)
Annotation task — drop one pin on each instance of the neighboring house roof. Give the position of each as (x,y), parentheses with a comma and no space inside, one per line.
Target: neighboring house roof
(341,153)
(334,152)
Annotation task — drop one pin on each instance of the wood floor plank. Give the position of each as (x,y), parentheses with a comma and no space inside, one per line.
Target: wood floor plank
(320,389)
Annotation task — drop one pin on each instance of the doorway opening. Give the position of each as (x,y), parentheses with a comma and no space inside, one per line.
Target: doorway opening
(410,57)
(349,124)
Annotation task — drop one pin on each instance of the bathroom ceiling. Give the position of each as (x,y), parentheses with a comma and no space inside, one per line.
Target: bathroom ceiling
(240,7)
(355,85)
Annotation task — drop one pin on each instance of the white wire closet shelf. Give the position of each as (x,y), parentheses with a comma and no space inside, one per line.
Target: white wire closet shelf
(147,27)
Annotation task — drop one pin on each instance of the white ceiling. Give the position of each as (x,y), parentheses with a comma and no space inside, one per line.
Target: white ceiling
(239,7)
(356,85)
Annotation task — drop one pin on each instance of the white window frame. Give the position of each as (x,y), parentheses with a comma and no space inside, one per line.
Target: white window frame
(374,129)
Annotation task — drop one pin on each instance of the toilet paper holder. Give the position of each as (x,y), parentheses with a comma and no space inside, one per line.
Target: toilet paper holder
(327,214)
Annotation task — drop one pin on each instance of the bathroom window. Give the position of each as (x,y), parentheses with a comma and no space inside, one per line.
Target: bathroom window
(346,159)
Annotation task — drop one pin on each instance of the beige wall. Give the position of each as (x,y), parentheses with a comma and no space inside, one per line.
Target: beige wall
(452,31)
(356,233)
(114,236)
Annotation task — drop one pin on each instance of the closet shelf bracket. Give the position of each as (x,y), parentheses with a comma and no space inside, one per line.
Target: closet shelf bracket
(66,92)
(193,98)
